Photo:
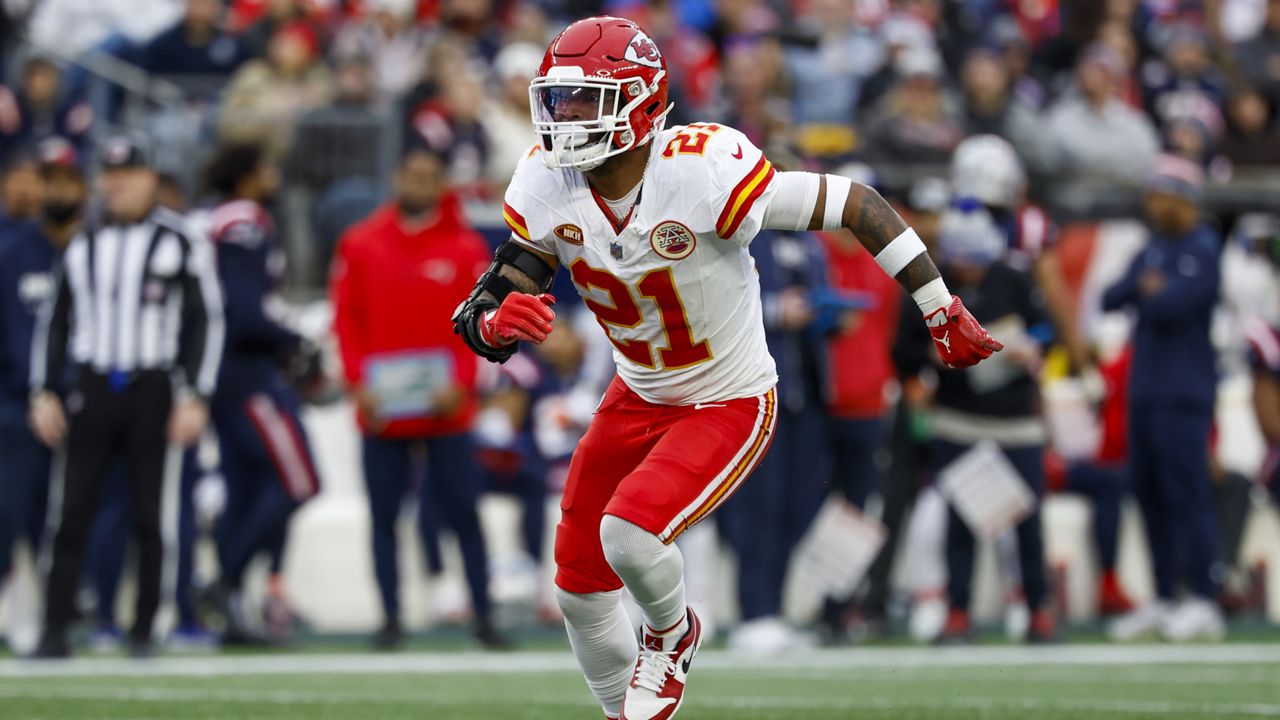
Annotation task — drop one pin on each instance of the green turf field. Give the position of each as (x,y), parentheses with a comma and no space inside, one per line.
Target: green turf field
(991,683)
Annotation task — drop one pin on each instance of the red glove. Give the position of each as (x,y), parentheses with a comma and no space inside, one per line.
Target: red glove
(960,340)
(520,317)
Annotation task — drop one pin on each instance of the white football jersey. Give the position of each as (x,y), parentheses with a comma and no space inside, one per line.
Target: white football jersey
(672,284)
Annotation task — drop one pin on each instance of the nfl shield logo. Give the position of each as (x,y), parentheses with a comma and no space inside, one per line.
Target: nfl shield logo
(615,249)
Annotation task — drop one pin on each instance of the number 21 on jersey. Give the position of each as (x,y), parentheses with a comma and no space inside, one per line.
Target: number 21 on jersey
(658,286)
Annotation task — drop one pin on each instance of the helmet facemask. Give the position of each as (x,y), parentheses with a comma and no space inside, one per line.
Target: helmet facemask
(583,121)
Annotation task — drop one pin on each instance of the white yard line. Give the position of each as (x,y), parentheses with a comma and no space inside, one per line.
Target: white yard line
(431,697)
(823,661)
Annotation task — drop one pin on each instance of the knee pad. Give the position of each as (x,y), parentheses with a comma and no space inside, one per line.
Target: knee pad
(627,546)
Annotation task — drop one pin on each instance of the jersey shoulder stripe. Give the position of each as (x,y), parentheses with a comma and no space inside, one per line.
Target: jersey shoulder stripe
(743,196)
(515,221)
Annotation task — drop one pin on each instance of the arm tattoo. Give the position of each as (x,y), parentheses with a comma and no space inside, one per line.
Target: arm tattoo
(875,223)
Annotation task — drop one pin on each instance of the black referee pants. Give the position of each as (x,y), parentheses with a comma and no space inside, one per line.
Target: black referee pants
(108,425)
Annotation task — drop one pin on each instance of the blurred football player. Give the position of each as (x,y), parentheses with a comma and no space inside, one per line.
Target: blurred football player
(653,225)
(986,168)
(266,459)
(995,403)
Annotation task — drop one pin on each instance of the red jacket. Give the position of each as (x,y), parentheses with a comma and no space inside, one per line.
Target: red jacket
(861,359)
(394,289)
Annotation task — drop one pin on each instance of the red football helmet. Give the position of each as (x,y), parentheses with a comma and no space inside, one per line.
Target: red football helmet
(601,91)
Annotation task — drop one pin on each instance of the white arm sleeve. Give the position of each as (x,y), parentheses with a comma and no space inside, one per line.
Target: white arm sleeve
(792,204)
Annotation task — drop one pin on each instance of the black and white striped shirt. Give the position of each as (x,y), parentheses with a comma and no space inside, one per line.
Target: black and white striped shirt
(135,297)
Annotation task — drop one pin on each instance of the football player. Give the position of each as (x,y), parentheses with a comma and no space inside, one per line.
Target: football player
(652,224)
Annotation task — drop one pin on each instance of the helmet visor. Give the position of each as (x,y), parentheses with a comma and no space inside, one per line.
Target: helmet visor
(578,103)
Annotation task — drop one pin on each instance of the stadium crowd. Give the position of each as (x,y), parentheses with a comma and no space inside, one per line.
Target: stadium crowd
(982,120)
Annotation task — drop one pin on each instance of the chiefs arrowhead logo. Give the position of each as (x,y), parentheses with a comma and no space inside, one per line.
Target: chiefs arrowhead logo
(642,51)
(571,234)
(672,240)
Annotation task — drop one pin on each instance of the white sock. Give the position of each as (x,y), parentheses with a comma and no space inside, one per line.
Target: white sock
(604,641)
(652,571)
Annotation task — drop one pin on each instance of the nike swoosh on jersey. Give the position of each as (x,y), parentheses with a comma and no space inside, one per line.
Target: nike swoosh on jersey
(703,406)
(738,153)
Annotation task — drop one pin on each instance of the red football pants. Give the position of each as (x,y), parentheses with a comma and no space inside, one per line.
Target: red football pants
(661,467)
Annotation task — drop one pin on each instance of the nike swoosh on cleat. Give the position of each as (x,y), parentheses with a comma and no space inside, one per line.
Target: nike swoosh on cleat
(684,666)
(738,153)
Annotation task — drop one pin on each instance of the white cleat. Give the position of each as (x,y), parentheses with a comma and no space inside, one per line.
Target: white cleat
(657,685)
(1194,619)
(1143,621)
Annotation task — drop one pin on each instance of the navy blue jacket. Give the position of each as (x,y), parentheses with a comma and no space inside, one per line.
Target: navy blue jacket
(170,53)
(1173,359)
(27,261)
(251,267)
(793,261)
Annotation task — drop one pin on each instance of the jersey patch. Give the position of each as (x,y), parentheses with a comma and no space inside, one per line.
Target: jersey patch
(672,240)
(569,233)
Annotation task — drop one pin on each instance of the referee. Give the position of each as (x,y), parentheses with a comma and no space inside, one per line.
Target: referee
(138,309)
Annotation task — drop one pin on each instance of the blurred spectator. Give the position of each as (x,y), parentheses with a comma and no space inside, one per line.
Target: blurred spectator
(1119,37)
(901,32)
(1173,287)
(1253,134)
(1015,52)
(197,45)
(735,19)
(1185,82)
(256,38)
(266,96)
(528,22)
(691,58)
(827,77)
(21,191)
(452,127)
(1094,136)
(395,45)
(40,108)
(28,257)
(473,23)
(412,380)
(765,518)
(754,94)
(505,118)
(917,121)
(992,108)
(1259,58)
(76,26)
(997,401)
